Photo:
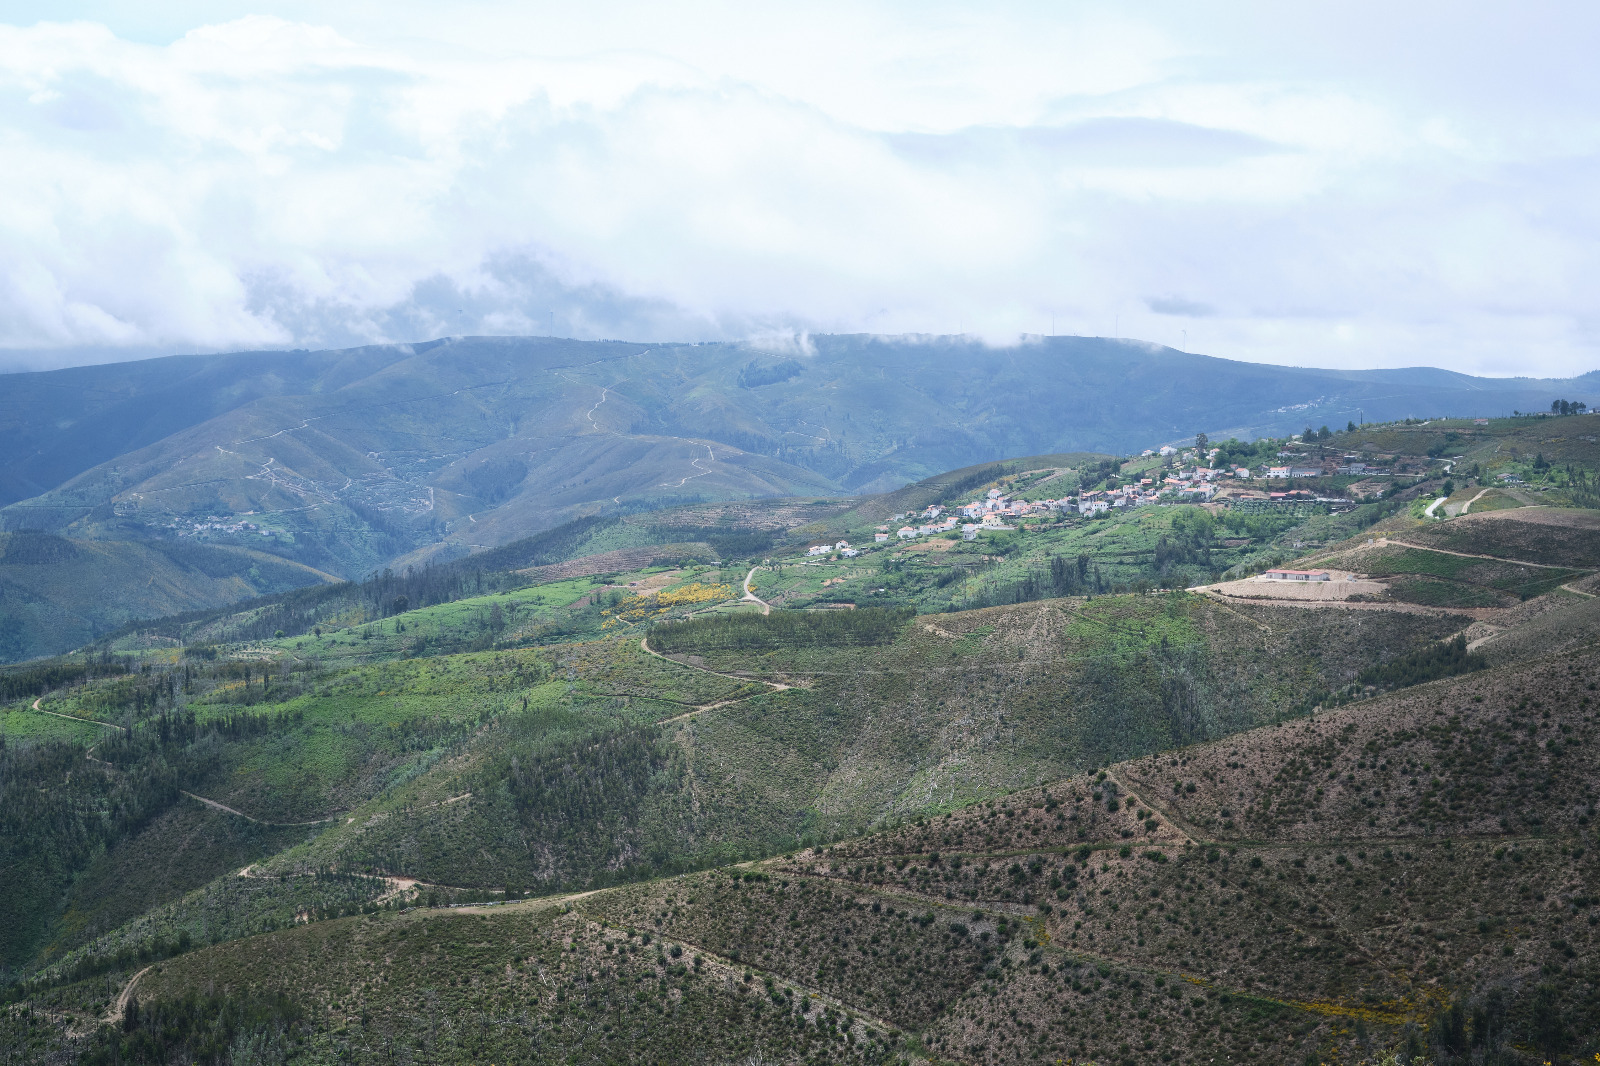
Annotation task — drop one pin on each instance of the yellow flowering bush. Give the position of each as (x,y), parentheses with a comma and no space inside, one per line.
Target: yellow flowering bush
(638,608)
(689,595)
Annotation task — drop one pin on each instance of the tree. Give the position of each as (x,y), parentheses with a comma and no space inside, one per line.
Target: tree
(1308,434)
(1200,442)
(1350,427)
(1324,433)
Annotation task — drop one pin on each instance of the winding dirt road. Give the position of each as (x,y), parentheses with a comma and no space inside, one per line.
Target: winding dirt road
(749,590)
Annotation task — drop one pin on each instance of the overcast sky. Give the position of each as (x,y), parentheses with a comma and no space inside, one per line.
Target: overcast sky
(1343,184)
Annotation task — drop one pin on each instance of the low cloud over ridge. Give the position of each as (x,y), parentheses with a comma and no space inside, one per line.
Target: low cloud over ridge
(313,180)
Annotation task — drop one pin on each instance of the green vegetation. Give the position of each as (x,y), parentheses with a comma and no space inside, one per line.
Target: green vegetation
(782,629)
(1300,891)
(612,813)
(1429,664)
(57,594)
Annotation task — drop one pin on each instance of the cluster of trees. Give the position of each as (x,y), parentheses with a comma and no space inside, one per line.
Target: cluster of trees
(731,542)
(1065,577)
(1568,407)
(1485,1028)
(1584,486)
(27,682)
(205,1031)
(57,812)
(1429,664)
(579,801)
(35,547)
(782,629)
(956,489)
(59,809)
(756,374)
(382,594)
(127,957)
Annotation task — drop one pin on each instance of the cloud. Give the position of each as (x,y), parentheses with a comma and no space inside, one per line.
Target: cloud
(1174,305)
(328,176)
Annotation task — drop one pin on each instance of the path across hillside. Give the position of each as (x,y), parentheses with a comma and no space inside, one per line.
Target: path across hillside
(1475,555)
(229,810)
(775,686)
(75,718)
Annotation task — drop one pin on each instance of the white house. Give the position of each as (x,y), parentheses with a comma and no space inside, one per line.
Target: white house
(818,549)
(849,553)
(842,545)
(880,538)
(970,531)
(906,533)
(1277,471)
(1297,575)
(1167,449)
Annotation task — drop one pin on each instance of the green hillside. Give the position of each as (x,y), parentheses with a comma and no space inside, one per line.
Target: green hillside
(1053,793)
(1144,912)
(57,594)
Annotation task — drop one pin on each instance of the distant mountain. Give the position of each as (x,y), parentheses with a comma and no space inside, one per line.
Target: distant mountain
(349,460)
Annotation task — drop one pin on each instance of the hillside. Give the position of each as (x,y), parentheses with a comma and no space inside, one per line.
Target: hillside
(347,461)
(1084,788)
(57,594)
(1312,891)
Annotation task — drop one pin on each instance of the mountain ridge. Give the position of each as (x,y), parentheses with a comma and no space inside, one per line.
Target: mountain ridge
(361,456)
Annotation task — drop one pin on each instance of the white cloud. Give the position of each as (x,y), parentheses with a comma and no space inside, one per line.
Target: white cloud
(1301,191)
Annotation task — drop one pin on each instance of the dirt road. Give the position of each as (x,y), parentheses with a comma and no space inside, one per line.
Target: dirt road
(229,810)
(750,591)
(775,686)
(75,718)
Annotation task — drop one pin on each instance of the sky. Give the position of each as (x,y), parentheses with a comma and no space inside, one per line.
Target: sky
(1350,184)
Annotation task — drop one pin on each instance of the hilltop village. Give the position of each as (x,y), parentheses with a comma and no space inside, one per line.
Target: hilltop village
(1159,476)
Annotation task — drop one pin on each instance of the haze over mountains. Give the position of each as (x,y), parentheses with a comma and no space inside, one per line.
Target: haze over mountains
(351,460)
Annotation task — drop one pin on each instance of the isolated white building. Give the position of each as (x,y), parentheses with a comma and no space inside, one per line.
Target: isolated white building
(1297,575)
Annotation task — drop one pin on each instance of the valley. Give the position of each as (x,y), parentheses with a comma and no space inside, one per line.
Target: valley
(1093,787)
